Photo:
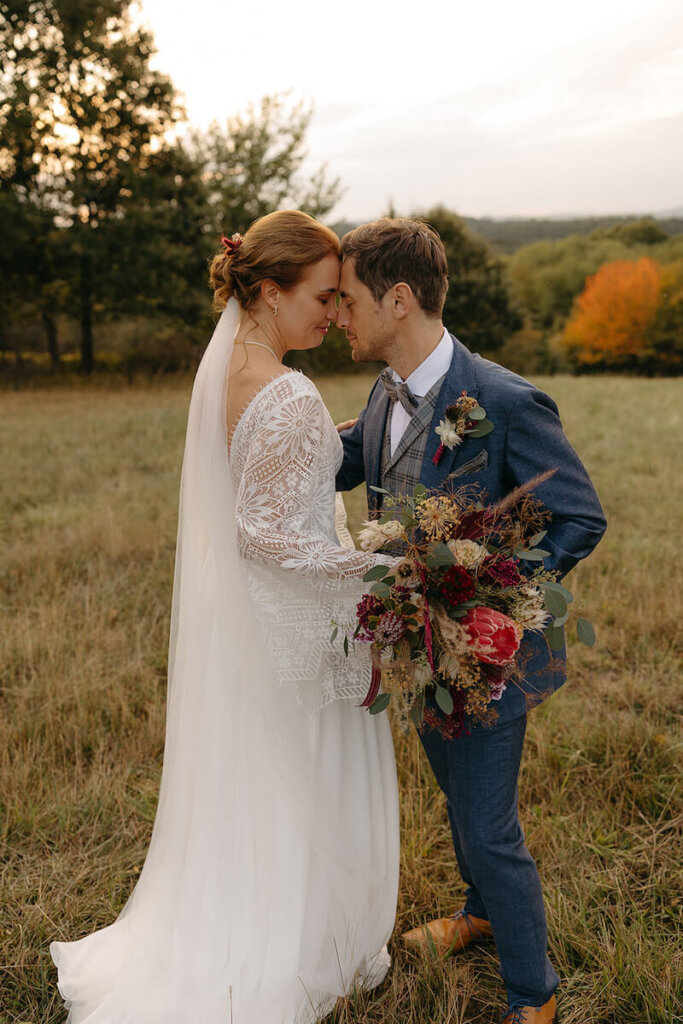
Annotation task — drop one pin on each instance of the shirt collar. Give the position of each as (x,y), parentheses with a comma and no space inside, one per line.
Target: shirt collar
(423,379)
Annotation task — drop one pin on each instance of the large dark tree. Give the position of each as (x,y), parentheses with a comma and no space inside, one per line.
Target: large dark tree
(478,306)
(83,118)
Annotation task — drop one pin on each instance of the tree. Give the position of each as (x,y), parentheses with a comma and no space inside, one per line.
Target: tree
(478,305)
(253,165)
(82,116)
(665,336)
(548,276)
(612,320)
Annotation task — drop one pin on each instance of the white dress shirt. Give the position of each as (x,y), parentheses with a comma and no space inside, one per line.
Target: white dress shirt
(420,382)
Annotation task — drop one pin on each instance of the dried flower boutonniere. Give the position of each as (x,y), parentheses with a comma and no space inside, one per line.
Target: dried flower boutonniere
(465,418)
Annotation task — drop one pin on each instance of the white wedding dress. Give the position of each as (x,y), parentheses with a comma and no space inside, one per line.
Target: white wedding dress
(270,885)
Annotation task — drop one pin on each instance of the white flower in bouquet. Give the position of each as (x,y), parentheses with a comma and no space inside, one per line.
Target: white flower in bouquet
(448,434)
(375,535)
(393,530)
(529,610)
(371,537)
(467,552)
(422,673)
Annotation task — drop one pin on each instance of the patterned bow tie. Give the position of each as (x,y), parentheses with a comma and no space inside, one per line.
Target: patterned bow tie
(398,391)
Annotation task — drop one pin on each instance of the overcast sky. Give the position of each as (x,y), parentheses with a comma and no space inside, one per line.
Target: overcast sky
(491,107)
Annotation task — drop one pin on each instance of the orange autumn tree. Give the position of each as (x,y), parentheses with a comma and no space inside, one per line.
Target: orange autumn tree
(610,324)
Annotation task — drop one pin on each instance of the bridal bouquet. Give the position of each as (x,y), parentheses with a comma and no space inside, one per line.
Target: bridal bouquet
(447,620)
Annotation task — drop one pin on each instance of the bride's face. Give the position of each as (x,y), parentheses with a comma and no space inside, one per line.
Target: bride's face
(306,311)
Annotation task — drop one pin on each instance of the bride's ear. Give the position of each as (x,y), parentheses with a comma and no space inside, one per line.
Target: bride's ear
(270,293)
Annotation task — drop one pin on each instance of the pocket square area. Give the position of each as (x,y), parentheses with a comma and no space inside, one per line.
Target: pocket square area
(480,461)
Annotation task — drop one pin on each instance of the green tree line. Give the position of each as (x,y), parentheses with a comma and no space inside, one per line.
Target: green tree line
(111,205)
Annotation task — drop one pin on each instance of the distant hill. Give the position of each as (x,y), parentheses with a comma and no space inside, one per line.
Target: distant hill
(507,235)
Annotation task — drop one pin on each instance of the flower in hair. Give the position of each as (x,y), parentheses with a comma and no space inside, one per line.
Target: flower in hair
(231,245)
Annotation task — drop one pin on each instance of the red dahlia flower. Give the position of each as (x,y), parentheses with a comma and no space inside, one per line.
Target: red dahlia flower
(505,573)
(494,636)
(457,585)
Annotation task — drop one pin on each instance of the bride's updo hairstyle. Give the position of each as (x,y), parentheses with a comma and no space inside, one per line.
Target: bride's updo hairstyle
(278,247)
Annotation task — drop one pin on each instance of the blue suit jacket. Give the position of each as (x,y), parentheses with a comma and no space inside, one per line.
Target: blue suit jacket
(527,440)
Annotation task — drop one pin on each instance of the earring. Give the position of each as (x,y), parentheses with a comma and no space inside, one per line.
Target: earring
(275,309)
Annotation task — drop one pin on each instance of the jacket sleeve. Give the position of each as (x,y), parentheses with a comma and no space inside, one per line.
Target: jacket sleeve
(536,442)
(352,470)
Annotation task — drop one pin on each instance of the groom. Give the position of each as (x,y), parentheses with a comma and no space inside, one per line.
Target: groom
(393,286)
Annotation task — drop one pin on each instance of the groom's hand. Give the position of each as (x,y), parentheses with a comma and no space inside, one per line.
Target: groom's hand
(346,425)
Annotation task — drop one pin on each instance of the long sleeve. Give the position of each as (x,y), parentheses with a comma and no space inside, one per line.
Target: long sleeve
(282,509)
(535,443)
(300,579)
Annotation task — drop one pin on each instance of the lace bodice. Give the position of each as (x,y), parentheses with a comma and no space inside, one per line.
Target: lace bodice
(284,456)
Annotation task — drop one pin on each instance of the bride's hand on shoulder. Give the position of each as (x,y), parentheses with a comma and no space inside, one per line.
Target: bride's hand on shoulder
(346,425)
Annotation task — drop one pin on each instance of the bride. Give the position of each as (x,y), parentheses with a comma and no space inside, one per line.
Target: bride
(269,889)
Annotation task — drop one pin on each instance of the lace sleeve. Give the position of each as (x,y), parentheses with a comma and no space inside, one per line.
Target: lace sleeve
(281,506)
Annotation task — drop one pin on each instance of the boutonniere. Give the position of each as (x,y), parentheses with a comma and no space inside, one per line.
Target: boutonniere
(465,418)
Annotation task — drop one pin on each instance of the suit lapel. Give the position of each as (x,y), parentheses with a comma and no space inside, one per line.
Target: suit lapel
(461,376)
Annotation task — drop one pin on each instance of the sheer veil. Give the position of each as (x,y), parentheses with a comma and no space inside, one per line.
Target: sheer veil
(235,786)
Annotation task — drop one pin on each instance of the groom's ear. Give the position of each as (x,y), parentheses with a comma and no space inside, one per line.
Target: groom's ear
(402,300)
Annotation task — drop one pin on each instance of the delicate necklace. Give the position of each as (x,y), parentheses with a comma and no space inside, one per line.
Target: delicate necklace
(261,345)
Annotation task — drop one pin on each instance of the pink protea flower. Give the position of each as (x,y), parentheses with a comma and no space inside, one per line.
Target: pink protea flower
(495,637)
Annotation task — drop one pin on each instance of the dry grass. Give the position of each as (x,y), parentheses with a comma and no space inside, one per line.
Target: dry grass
(88,498)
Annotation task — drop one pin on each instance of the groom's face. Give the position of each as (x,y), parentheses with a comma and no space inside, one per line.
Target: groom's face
(368,325)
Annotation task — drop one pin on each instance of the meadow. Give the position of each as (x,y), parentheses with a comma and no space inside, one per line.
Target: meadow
(88,495)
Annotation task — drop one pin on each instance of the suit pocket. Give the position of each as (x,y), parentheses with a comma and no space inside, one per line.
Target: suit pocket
(480,461)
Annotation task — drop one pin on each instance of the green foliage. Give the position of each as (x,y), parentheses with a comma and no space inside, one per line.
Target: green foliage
(548,276)
(478,305)
(252,166)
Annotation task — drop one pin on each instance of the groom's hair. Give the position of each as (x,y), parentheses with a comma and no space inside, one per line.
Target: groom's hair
(394,249)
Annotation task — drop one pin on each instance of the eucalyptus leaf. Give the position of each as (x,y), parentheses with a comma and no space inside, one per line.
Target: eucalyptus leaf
(555,637)
(380,590)
(346,646)
(477,414)
(380,702)
(379,490)
(335,632)
(537,538)
(552,585)
(439,554)
(585,632)
(457,613)
(555,603)
(378,572)
(482,428)
(542,552)
(561,620)
(444,699)
(530,555)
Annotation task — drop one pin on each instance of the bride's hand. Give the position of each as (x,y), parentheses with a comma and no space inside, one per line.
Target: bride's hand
(346,425)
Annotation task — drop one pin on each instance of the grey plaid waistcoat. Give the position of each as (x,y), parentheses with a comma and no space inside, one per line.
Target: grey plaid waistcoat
(400,472)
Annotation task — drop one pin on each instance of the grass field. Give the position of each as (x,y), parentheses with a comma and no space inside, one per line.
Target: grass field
(88,496)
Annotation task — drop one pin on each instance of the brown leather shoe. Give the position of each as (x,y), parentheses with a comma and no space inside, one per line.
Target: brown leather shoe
(449,934)
(546,1014)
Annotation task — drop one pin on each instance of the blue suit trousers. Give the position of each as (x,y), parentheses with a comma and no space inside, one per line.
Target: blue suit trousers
(478,775)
